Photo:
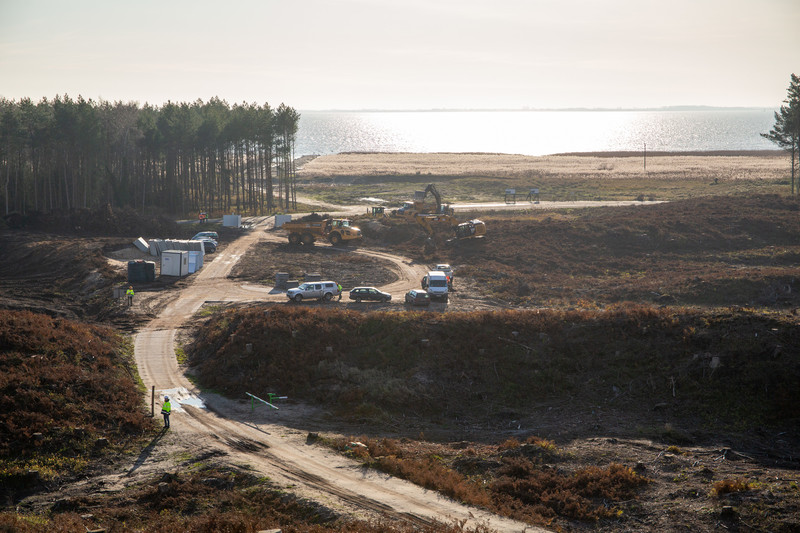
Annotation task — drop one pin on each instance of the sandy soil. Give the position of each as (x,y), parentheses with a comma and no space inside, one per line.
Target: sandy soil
(732,165)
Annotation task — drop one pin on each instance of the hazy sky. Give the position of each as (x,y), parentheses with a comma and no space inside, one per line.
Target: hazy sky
(404,54)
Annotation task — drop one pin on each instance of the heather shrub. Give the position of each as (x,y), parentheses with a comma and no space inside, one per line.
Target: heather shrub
(375,366)
(728,486)
(62,385)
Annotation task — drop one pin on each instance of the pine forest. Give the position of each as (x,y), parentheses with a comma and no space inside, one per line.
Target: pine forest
(180,158)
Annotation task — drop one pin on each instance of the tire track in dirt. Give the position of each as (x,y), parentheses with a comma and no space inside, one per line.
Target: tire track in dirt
(292,467)
(272,449)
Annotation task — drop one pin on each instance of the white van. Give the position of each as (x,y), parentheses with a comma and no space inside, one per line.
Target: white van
(435,283)
(321,290)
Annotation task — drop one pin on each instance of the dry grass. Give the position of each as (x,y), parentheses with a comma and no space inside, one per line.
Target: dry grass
(730,486)
(767,165)
(347,178)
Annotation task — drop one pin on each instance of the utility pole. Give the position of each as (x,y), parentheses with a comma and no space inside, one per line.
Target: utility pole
(645,156)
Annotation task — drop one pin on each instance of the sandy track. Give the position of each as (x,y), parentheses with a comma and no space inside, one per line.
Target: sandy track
(255,439)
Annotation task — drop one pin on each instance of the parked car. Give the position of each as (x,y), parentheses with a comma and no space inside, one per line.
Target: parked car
(417,297)
(209,244)
(448,271)
(321,290)
(369,293)
(210,234)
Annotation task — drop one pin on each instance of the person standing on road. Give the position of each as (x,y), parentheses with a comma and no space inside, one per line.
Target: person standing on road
(129,292)
(166,408)
(339,288)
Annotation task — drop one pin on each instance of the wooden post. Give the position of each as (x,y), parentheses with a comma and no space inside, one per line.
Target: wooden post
(153,402)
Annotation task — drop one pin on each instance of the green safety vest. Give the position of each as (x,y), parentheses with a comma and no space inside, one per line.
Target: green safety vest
(129,292)
(166,408)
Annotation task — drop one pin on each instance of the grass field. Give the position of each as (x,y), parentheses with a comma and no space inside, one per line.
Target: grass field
(347,178)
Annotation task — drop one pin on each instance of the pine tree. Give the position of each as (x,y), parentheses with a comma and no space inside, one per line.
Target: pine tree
(786,131)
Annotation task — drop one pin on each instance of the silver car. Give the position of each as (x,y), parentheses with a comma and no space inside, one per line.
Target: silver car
(320,290)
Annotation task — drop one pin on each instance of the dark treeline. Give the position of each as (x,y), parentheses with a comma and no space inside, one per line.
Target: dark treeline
(180,158)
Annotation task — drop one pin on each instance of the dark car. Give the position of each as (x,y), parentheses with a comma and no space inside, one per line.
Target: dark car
(213,235)
(417,297)
(369,293)
(209,245)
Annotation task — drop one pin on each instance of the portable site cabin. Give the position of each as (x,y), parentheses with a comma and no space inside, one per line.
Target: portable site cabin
(175,263)
(195,261)
(232,221)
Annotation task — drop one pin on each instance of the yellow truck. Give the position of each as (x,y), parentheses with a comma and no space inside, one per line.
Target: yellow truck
(308,229)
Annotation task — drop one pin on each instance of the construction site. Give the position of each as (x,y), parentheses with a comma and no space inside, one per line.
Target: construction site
(626,367)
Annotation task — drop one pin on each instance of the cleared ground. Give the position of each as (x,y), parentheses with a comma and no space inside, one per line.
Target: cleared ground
(723,259)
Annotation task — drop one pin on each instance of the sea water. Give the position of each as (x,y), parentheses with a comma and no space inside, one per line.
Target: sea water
(532,132)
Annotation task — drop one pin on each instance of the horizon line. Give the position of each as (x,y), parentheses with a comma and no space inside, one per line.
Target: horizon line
(539,109)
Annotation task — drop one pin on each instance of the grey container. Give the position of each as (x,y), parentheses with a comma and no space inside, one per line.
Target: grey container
(280,280)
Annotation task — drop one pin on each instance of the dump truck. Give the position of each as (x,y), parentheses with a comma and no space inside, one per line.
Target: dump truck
(308,229)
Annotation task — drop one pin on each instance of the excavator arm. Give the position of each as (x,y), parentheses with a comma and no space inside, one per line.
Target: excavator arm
(425,222)
(440,208)
(435,193)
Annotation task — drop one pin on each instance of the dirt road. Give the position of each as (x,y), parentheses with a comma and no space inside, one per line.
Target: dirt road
(349,210)
(273,442)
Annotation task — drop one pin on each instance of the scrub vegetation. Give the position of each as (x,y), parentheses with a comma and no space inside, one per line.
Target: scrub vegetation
(67,391)
(626,369)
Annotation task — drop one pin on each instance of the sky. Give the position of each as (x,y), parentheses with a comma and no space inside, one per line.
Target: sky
(404,54)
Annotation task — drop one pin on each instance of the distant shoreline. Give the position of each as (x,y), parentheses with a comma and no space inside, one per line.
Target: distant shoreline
(691,108)
(706,165)
(700,153)
(611,153)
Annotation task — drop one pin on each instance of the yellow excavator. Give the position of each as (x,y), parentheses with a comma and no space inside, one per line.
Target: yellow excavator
(432,215)
(420,205)
(464,230)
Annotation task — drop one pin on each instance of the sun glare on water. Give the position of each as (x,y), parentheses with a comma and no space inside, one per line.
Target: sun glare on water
(531,132)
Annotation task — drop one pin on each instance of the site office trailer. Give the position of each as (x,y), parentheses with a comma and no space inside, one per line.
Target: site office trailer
(175,263)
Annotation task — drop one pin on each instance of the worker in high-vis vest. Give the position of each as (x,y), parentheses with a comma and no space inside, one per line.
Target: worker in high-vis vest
(129,292)
(166,408)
